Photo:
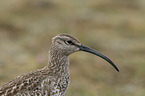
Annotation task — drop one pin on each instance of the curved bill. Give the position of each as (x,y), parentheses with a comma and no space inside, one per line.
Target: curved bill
(87,49)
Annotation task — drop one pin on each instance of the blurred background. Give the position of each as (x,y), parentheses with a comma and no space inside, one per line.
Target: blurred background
(115,28)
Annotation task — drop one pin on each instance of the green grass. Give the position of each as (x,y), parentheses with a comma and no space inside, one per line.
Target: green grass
(113,27)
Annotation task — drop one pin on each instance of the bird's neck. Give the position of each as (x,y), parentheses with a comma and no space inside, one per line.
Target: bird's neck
(58,63)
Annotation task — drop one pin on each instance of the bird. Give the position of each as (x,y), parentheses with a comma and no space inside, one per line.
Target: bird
(54,78)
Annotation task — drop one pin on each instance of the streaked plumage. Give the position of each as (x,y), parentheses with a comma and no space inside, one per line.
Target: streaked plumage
(52,80)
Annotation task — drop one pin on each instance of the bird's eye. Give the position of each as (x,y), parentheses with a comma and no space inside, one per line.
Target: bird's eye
(69,42)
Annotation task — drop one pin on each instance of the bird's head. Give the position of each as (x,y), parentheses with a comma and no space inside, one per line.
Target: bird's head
(67,44)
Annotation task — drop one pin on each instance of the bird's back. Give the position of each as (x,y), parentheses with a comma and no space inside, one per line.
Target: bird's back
(37,83)
(25,84)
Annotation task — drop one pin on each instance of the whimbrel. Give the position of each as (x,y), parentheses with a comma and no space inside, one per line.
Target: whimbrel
(53,79)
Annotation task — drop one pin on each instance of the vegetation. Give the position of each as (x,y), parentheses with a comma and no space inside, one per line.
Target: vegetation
(115,28)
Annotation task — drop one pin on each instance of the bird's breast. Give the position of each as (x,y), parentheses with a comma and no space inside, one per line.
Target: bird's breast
(55,86)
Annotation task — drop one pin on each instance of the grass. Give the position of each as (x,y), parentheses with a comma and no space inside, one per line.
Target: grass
(115,28)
